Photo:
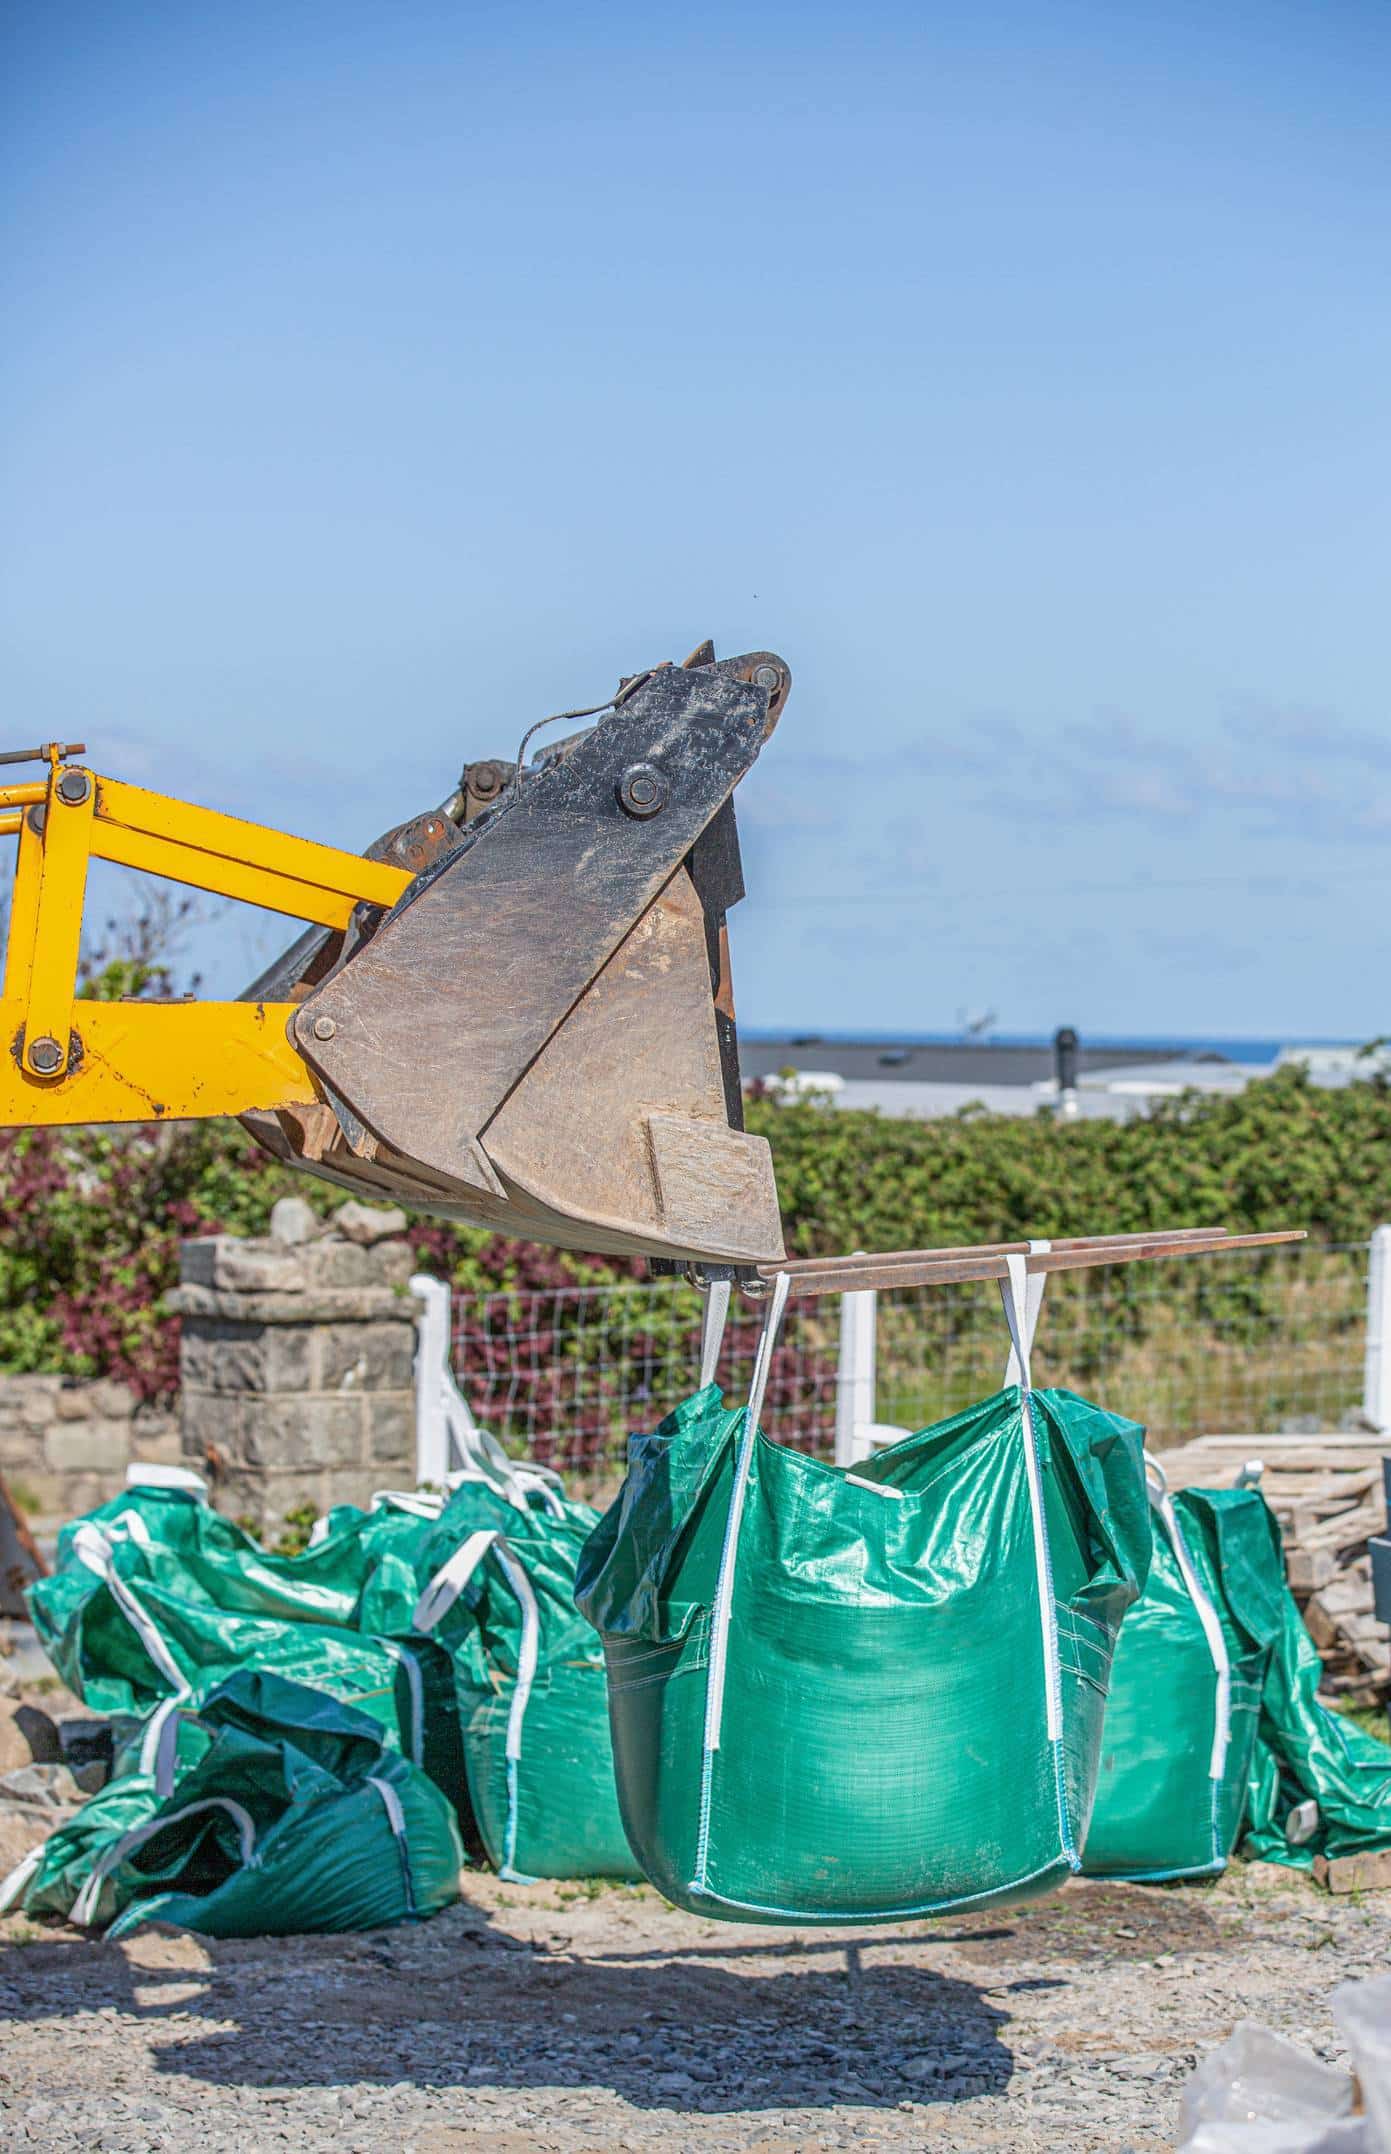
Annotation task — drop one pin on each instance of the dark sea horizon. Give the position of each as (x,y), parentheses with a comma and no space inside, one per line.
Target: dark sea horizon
(1246,1050)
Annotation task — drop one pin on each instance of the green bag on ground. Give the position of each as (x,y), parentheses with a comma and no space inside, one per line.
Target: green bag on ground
(131,1619)
(1304,1750)
(358,1573)
(274,1810)
(1182,1707)
(854,1696)
(498,1594)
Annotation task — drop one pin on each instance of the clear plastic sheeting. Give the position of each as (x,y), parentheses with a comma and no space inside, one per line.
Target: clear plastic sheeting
(1262,2094)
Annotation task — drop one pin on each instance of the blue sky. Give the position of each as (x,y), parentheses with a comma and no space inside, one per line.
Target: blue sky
(378,379)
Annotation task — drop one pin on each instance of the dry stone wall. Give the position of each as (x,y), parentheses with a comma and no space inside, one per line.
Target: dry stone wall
(65,1444)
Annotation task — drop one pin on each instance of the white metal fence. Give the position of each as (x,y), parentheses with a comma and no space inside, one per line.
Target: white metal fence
(1296,1338)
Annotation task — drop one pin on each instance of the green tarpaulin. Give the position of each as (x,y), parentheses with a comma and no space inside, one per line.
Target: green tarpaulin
(272,1809)
(1181,1711)
(844,1696)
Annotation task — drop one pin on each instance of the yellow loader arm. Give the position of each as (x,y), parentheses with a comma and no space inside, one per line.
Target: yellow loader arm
(73,1060)
(514,1011)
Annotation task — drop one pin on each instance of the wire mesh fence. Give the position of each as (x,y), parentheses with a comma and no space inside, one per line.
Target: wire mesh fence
(1242,1343)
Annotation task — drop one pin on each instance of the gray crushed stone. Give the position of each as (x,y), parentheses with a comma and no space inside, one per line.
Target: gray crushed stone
(578,2019)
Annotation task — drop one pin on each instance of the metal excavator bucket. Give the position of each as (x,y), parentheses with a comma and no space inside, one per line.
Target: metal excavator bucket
(539,1036)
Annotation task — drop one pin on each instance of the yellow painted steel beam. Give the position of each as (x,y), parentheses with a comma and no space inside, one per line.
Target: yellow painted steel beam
(221,853)
(57,936)
(151,1061)
(24,912)
(27,795)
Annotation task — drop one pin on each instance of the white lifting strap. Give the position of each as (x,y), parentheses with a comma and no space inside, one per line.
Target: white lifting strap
(712,1330)
(449,1582)
(1029,1301)
(1157,1486)
(724,1587)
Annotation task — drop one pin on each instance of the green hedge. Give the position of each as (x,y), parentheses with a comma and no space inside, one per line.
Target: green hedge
(90,1220)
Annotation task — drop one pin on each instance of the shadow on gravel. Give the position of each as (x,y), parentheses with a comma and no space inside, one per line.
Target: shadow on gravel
(820,2022)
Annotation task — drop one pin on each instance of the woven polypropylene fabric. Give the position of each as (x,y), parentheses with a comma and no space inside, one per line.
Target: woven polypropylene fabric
(888,1744)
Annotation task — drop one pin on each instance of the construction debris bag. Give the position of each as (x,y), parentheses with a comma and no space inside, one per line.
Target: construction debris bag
(271,1810)
(1182,1708)
(357,1573)
(498,1594)
(136,1621)
(1305,1752)
(849,1696)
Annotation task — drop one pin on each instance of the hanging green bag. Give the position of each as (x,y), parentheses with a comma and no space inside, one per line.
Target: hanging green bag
(273,1810)
(529,1677)
(854,1696)
(1181,1711)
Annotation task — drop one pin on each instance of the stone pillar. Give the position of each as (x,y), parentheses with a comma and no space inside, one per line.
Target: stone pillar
(295,1366)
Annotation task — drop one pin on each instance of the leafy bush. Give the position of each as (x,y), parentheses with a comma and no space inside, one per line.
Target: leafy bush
(90,1220)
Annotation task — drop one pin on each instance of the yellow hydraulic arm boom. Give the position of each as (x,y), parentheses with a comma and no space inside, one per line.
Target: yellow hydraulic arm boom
(73,1060)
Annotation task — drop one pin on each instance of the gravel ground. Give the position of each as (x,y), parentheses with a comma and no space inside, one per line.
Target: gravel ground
(585,2018)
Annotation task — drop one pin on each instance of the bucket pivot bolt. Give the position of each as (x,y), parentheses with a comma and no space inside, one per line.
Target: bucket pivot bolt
(46,1056)
(642,791)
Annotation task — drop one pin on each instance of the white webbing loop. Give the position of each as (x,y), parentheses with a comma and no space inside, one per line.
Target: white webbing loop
(449,1582)
(712,1329)
(724,1587)
(1158,1489)
(1014,1293)
(396,1818)
(110,1859)
(94,1547)
(15,1884)
(1029,1303)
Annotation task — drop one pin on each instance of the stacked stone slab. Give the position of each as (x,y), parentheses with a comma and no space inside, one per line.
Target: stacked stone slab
(65,1443)
(295,1368)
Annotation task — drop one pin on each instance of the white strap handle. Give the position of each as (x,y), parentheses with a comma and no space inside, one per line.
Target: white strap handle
(94,1546)
(724,1588)
(1022,1295)
(449,1582)
(13,1886)
(712,1329)
(1157,1486)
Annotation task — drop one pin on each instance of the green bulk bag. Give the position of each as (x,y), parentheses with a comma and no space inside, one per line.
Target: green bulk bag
(851,1696)
(1182,1708)
(1305,1751)
(358,1571)
(134,1627)
(277,1811)
(530,1682)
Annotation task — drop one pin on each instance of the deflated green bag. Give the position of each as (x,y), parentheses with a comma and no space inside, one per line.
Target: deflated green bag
(137,1616)
(529,1677)
(848,1696)
(1183,1703)
(1304,1751)
(272,1810)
